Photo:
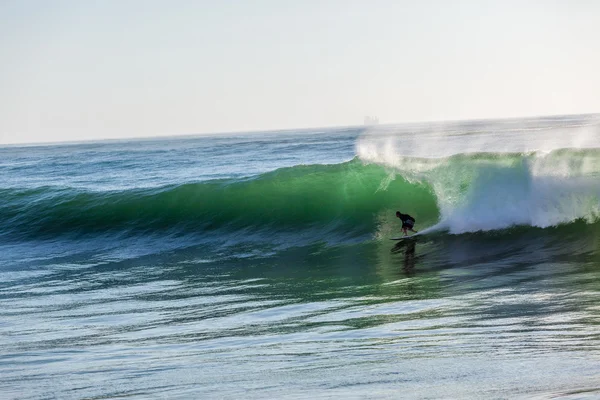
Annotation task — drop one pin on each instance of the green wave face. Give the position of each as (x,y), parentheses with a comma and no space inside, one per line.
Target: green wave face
(462,193)
(348,196)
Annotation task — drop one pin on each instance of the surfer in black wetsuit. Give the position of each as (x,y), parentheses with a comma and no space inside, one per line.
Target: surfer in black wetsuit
(408,222)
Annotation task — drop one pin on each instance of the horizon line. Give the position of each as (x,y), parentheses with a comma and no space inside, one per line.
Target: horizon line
(274,131)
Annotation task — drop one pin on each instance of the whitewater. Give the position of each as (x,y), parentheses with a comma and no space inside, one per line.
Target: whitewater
(488,177)
(259,264)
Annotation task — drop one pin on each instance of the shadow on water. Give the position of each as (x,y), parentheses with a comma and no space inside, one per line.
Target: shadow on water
(408,248)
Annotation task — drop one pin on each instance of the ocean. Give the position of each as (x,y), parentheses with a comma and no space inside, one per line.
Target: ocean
(260,265)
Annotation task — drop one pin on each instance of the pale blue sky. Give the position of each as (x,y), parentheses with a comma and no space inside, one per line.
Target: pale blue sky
(78,69)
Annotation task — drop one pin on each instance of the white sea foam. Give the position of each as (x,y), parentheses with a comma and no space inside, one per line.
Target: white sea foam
(525,177)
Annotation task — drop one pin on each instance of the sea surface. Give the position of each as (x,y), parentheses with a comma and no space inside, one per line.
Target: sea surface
(260,265)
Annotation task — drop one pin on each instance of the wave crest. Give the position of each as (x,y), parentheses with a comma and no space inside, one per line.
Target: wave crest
(490,191)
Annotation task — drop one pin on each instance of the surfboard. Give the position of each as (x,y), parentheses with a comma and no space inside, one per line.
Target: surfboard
(405,237)
(425,231)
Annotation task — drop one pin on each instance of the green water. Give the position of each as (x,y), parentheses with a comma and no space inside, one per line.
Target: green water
(262,267)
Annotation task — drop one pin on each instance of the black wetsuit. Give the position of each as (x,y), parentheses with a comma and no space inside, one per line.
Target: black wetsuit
(407,221)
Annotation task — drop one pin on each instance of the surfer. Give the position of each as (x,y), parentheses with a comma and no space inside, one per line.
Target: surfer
(408,222)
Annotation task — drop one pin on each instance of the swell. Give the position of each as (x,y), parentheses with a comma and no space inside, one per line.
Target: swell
(342,197)
(460,193)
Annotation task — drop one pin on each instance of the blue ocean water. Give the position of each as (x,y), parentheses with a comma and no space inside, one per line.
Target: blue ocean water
(260,266)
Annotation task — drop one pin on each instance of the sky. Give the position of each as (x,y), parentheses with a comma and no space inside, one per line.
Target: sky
(79,70)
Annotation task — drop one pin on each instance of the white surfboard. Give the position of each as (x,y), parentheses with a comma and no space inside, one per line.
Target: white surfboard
(425,231)
(405,237)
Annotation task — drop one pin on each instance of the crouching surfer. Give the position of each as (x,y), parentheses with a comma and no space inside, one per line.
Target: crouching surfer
(408,222)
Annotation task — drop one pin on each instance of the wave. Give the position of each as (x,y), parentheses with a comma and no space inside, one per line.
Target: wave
(341,197)
(461,193)
(497,190)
